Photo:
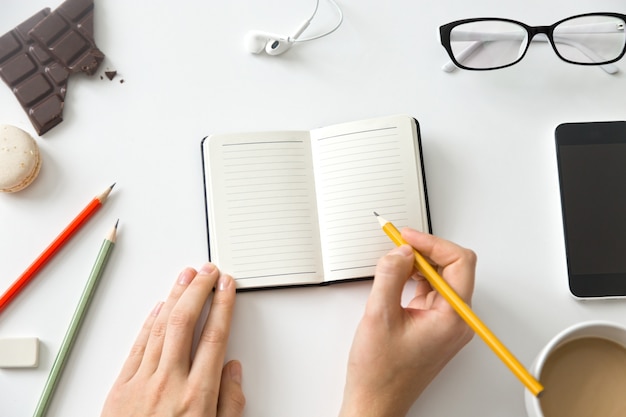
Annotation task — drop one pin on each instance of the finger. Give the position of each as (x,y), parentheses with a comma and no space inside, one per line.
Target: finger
(457,264)
(424,297)
(132,363)
(232,400)
(154,347)
(422,287)
(209,358)
(183,318)
(392,272)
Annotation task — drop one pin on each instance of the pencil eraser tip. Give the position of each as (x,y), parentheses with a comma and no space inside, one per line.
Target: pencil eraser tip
(22,352)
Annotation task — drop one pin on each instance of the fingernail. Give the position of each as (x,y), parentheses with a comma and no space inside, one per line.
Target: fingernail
(185,276)
(235,372)
(224,282)
(157,308)
(207,268)
(403,250)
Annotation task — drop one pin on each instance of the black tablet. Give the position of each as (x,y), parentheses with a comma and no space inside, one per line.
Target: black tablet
(591,161)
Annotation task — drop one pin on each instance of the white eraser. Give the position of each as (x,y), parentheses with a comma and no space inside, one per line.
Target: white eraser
(20,352)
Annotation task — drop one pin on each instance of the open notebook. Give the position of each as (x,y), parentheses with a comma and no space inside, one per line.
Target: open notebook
(291,208)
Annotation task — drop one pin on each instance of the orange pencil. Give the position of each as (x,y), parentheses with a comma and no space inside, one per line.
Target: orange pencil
(28,275)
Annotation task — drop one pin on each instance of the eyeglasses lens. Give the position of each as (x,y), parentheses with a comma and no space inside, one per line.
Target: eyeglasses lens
(488,44)
(590,39)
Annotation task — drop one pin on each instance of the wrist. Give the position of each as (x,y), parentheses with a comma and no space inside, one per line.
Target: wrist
(373,405)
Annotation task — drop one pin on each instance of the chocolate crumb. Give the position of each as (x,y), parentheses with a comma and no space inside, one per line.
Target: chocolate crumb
(110,74)
(122,81)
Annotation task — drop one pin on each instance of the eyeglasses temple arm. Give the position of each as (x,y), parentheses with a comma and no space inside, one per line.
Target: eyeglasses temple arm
(462,56)
(593,28)
(588,28)
(609,68)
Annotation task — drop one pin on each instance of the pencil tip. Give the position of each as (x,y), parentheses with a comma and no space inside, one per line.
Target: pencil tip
(117,222)
(376,214)
(112,185)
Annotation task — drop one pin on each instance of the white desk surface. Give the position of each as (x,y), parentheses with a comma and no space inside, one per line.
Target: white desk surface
(490,167)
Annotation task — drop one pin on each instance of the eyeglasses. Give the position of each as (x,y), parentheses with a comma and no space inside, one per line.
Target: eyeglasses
(492,43)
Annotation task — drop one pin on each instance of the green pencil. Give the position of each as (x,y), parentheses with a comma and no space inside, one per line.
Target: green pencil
(75,323)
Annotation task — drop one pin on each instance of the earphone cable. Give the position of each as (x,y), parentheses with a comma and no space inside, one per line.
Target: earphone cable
(339,22)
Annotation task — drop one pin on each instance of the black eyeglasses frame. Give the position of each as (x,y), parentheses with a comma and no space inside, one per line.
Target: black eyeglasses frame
(446,30)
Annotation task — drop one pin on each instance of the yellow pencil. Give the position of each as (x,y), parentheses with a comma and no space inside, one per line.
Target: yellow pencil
(466,313)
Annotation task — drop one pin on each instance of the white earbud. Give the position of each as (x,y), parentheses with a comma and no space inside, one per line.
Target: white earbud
(256,41)
(278,46)
(273,44)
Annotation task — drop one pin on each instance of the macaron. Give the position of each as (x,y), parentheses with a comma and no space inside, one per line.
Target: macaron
(20,159)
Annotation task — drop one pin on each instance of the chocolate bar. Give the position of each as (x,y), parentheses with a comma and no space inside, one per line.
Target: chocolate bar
(37,80)
(37,57)
(67,35)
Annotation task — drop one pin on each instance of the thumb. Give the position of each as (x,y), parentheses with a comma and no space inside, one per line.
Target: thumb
(392,272)
(231,400)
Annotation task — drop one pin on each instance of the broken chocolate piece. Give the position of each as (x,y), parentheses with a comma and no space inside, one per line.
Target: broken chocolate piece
(37,57)
(110,74)
(36,79)
(67,35)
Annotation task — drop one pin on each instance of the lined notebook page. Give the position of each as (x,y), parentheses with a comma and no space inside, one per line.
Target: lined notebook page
(360,168)
(262,190)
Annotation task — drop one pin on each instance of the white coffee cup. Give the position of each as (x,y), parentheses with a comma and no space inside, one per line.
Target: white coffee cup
(600,329)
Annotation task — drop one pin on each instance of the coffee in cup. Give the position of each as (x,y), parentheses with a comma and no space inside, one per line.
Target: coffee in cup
(583,371)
